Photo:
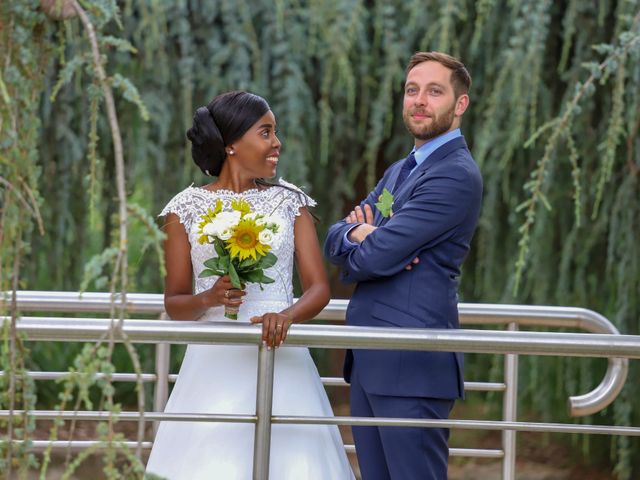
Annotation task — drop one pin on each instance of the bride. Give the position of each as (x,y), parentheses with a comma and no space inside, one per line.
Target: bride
(234,139)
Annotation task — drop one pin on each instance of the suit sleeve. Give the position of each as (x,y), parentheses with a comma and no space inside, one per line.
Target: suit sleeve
(335,247)
(439,203)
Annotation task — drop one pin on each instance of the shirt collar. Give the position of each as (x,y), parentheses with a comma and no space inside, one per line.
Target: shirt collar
(432,145)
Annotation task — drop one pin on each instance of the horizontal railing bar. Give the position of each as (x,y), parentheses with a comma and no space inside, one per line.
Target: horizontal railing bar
(484,386)
(337,420)
(97,302)
(151,377)
(116,377)
(456,452)
(476,452)
(534,316)
(329,336)
(333,382)
(468,386)
(460,424)
(472,313)
(475,341)
(95,415)
(79,445)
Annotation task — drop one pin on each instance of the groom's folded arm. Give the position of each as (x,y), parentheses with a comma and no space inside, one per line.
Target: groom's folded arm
(436,208)
(337,245)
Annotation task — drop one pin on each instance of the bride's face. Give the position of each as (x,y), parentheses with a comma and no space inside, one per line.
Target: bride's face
(258,150)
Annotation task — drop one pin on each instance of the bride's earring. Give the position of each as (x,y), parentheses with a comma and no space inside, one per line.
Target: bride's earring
(232,152)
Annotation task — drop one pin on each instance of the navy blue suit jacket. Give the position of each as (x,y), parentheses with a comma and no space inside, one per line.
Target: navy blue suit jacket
(435,214)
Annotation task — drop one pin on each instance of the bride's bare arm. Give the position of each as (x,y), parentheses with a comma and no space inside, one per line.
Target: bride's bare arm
(315,285)
(179,300)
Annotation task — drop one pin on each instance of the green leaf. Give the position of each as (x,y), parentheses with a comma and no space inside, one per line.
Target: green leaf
(130,93)
(219,246)
(120,44)
(67,73)
(247,263)
(385,202)
(266,279)
(254,276)
(207,272)
(224,262)
(213,263)
(268,260)
(235,280)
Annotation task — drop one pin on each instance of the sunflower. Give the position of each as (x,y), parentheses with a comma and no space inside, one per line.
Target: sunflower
(244,242)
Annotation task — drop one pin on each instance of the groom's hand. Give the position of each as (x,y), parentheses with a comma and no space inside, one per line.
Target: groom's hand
(357,215)
(359,233)
(415,261)
(364,216)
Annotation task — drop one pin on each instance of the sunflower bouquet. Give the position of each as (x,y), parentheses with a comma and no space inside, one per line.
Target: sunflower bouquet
(242,240)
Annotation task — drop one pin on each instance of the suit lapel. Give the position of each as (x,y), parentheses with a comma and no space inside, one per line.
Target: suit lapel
(402,194)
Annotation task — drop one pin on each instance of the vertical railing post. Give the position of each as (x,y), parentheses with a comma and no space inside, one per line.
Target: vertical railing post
(264,403)
(161,393)
(510,412)
(163,352)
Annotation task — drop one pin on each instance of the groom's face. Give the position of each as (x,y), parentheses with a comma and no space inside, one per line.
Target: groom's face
(430,107)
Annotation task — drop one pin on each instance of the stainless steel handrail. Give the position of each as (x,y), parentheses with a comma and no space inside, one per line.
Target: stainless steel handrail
(559,317)
(152,377)
(80,445)
(330,336)
(512,316)
(482,341)
(498,425)
(56,301)
(470,314)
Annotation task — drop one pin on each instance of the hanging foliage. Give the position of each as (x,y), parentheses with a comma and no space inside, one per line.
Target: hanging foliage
(23,59)
(17,387)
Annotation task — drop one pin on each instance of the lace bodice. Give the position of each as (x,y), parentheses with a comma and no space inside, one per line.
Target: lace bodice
(284,203)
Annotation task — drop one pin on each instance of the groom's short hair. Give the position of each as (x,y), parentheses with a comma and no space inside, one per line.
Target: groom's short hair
(460,78)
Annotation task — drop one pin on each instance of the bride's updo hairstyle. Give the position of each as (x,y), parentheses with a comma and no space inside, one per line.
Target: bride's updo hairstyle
(225,120)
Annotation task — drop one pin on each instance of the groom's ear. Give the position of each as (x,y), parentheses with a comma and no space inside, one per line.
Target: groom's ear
(462,102)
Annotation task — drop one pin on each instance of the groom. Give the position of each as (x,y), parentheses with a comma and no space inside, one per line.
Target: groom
(406,263)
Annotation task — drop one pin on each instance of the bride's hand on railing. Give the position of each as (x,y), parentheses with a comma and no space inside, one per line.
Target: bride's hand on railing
(223,293)
(274,328)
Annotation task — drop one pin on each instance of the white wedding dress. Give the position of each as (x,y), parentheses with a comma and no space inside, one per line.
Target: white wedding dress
(222,378)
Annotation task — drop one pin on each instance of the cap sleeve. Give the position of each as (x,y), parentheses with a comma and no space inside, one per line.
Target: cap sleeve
(183,206)
(297,198)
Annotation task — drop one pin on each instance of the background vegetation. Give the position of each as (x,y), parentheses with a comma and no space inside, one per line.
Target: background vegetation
(553,124)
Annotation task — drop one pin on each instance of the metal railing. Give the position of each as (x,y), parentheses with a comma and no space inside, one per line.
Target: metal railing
(511,343)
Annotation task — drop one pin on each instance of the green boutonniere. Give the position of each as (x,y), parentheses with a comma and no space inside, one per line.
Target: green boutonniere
(384,203)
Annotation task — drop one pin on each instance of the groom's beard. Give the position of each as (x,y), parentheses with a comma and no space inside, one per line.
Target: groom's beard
(439,124)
